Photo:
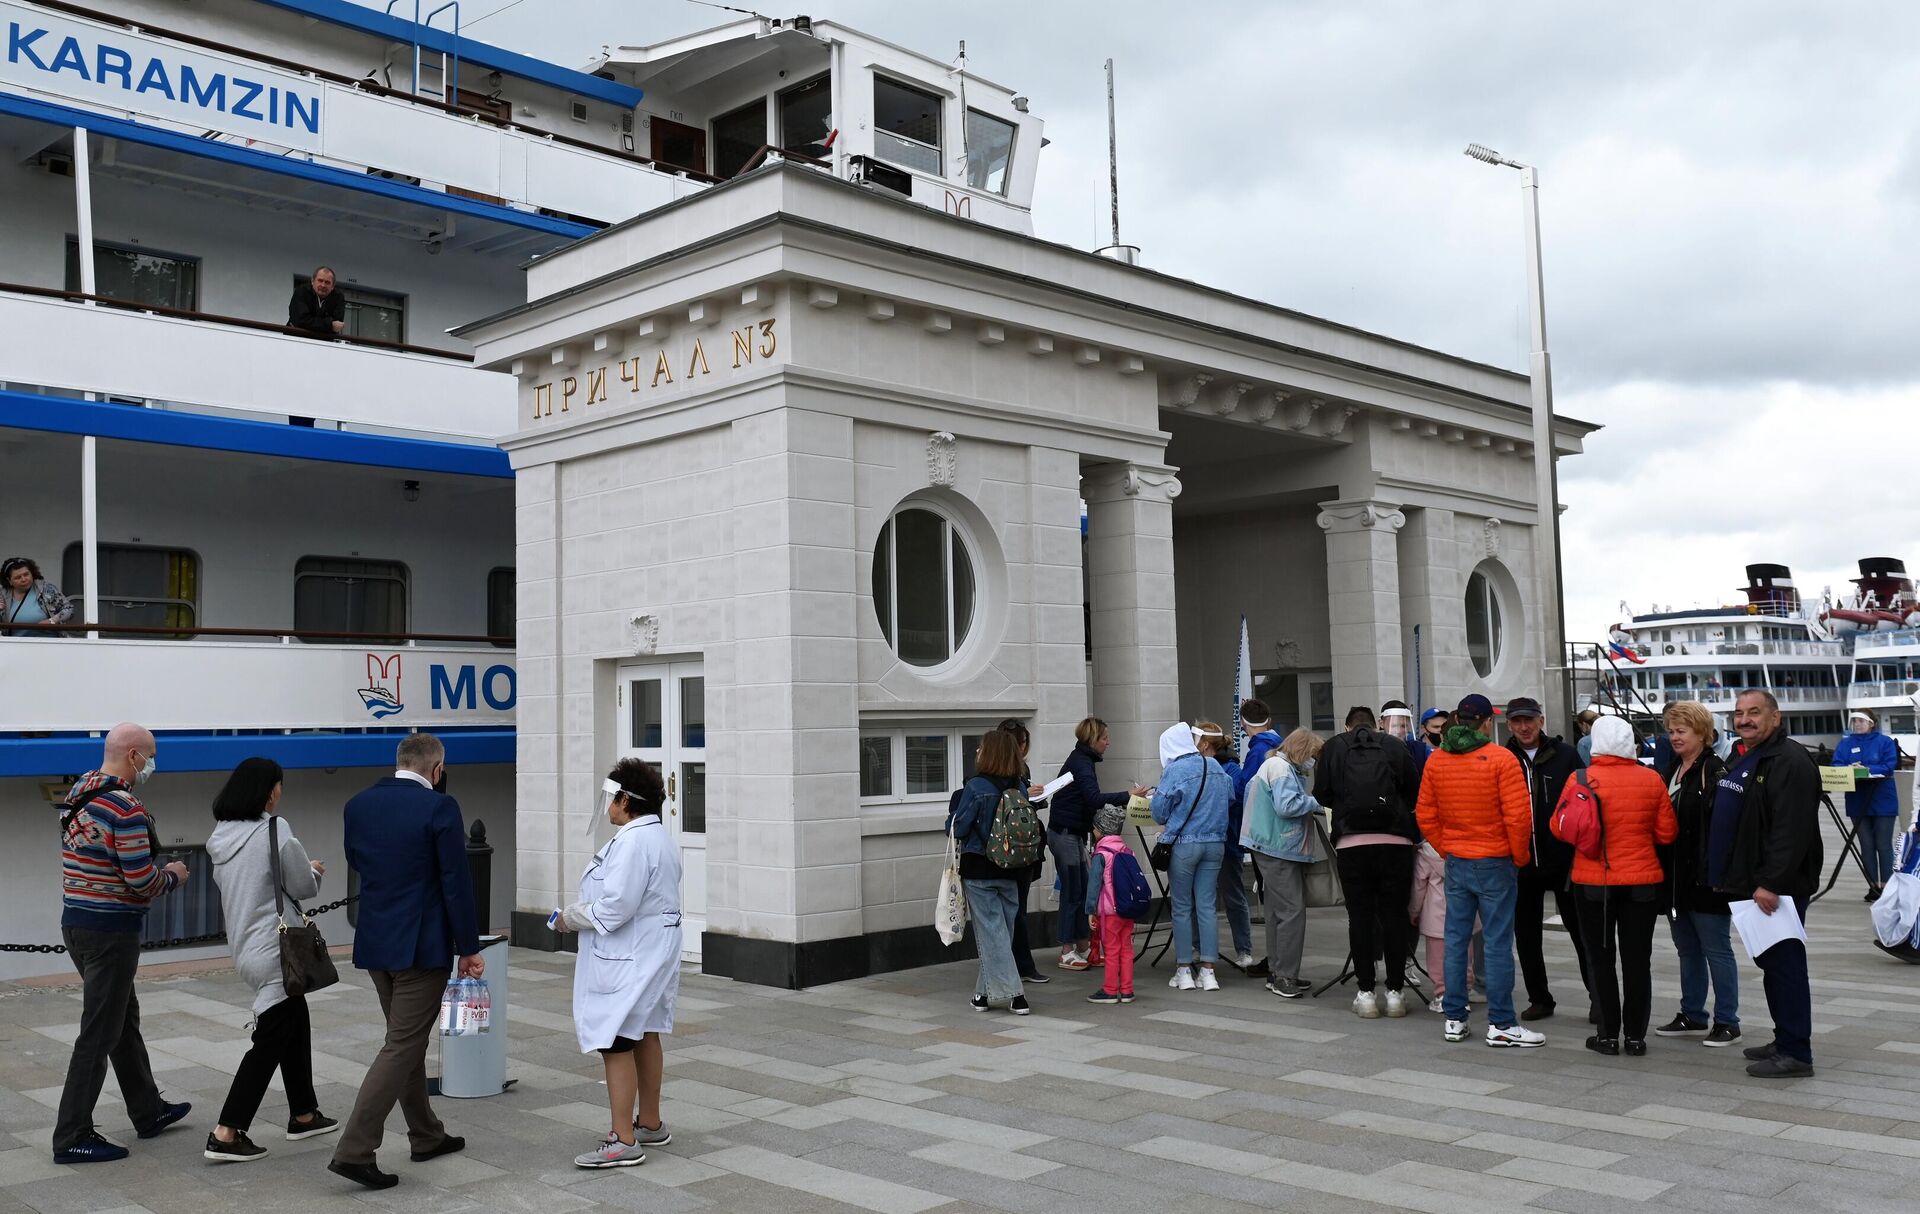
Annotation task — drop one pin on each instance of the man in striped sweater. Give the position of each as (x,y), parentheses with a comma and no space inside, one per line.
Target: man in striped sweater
(107,878)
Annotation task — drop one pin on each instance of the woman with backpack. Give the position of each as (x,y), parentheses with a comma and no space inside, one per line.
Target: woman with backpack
(1117,894)
(1275,831)
(1191,807)
(1615,813)
(993,892)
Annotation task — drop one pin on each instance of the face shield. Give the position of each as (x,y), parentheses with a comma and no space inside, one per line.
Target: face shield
(609,789)
(1397,721)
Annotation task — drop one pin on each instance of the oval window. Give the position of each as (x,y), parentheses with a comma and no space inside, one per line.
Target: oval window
(1485,641)
(923,585)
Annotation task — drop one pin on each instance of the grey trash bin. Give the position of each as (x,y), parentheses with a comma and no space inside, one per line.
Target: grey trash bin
(476,1065)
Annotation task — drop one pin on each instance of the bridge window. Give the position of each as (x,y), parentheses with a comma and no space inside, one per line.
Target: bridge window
(737,136)
(349,595)
(139,276)
(806,117)
(906,125)
(989,152)
(139,586)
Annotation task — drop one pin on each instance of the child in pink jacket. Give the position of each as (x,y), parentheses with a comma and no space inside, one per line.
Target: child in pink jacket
(1114,933)
(1428,910)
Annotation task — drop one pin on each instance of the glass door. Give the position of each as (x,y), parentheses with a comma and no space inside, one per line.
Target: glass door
(663,721)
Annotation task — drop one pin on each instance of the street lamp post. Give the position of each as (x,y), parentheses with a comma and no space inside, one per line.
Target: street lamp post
(1545,470)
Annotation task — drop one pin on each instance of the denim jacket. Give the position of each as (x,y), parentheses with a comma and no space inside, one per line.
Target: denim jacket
(1278,805)
(1189,814)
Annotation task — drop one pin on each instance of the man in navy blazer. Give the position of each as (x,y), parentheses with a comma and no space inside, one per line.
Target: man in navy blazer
(409,847)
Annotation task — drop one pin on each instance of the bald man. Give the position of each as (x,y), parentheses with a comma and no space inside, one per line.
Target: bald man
(107,879)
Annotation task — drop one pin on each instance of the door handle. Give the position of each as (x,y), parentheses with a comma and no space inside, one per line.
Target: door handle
(672,784)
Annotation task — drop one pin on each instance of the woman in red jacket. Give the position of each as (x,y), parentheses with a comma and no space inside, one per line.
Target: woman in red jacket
(1622,884)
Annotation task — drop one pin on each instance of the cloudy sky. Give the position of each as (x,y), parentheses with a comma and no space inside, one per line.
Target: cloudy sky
(1729,191)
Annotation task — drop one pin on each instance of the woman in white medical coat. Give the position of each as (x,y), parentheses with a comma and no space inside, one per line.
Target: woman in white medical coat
(627,973)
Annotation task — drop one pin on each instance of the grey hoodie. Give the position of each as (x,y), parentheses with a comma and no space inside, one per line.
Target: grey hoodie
(243,871)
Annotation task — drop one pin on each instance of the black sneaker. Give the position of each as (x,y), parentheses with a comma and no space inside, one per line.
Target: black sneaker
(1780,1066)
(169,1113)
(241,1150)
(1609,1046)
(91,1149)
(1760,1053)
(321,1124)
(979,1003)
(1019,1006)
(1036,978)
(1680,1026)
(1287,988)
(1101,996)
(1636,1047)
(1722,1035)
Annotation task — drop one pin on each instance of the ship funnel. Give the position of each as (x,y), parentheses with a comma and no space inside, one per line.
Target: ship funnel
(1771,587)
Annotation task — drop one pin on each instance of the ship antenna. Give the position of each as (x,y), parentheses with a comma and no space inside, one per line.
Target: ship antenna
(730,8)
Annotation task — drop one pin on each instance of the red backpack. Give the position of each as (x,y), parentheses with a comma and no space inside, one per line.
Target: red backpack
(1578,821)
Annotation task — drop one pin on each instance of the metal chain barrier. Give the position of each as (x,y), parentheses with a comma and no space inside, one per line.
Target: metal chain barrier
(177,941)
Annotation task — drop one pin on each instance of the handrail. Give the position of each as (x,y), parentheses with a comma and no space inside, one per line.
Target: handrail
(375,87)
(753,161)
(244,322)
(383,638)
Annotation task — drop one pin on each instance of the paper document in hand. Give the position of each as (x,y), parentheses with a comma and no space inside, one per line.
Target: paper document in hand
(1054,785)
(1760,931)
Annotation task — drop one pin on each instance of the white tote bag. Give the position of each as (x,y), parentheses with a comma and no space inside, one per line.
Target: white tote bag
(950,902)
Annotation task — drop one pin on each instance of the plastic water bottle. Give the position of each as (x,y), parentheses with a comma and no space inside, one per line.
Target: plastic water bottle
(449,1010)
(485,996)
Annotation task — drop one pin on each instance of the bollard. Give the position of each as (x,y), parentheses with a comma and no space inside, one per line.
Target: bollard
(480,869)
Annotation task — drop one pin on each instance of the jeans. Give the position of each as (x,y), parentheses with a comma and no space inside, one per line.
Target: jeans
(1193,884)
(1705,945)
(1489,889)
(109,1032)
(1233,896)
(1876,848)
(1283,885)
(282,1041)
(992,904)
(1021,950)
(1529,919)
(1617,921)
(1377,879)
(1783,969)
(1070,865)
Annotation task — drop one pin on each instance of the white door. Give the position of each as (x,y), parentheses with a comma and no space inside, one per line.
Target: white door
(663,721)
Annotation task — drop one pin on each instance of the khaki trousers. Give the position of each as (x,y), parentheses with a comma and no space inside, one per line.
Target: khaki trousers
(410,999)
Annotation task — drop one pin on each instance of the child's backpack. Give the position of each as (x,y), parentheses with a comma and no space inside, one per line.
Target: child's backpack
(1132,898)
(1017,839)
(1577,818)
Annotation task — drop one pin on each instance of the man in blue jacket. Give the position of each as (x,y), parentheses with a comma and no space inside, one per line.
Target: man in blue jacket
(409,847)
(1257,720)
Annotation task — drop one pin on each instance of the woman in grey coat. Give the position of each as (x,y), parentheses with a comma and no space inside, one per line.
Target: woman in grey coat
(282,1034)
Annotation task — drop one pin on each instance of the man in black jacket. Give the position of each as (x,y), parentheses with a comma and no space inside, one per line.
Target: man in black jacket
(1763,843)
(1548,764)
(317,308)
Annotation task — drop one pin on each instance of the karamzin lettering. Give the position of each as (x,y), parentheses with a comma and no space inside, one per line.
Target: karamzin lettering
(643,372)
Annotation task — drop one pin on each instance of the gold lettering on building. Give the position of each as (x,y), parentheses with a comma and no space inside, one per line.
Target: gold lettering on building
(596,386)
(542,399)
(757,341)
(766,331)
(630,373)
(698,359)
(742,346)
(660,368)
(567,388)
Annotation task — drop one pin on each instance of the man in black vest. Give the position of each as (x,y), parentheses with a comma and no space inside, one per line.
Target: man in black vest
(1548,763)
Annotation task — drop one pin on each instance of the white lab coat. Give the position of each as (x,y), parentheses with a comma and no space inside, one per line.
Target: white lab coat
(627,974)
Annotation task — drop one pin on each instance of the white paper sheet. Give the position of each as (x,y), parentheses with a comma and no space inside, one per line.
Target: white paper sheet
(1053,786)
(1760,931)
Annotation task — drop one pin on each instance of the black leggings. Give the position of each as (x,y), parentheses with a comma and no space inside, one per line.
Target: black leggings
(1377,879)
(1617,921)
(282,1041)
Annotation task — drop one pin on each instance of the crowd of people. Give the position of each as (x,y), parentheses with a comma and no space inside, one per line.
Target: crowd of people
(1436,831)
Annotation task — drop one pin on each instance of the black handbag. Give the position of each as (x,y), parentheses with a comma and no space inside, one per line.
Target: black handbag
(305,964)
(1161,857)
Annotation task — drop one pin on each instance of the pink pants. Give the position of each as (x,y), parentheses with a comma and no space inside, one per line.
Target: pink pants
(1437,964)
(1116,941)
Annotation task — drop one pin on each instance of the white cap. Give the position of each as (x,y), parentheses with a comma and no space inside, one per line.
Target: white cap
(1859,716)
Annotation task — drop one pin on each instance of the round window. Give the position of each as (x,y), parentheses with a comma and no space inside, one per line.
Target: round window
(923,585)
(1485,639)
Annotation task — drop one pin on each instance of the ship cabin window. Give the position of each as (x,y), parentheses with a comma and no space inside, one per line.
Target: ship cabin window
(806,117)
(139,276)
(906,125)
(737,136)
(500,606)
(989,152)
(372,314)
(675,145)
(191,911)
(139,587)
(350,595)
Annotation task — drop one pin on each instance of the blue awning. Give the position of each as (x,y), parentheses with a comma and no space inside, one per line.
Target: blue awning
(69,415)
(442,41)
(72,754)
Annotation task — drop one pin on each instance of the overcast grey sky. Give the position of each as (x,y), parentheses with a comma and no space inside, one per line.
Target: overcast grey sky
(1729,197)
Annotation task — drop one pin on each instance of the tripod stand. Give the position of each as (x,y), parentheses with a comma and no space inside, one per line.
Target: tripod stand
(1849,846)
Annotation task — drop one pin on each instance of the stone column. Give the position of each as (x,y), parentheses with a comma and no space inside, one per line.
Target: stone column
(1433,569)
(1136,665)
(1363,601)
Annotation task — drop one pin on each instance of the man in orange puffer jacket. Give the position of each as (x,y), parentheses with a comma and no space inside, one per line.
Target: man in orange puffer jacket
(1620,891)
(1475,809)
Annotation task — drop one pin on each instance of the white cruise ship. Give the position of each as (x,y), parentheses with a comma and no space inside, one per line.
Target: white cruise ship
(303,548)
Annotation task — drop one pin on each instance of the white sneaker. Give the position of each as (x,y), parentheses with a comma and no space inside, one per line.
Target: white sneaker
(1456,1030)
(1396,1004)
(612,1154)
(1207,981)
(1244,961)
(1366,1006)
(1515,1035)
(1182,979)
(1437,1007)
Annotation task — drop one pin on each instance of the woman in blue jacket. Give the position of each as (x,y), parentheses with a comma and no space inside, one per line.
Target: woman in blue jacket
(993,893)
(1069,818)
(1191,807)
(1874,805)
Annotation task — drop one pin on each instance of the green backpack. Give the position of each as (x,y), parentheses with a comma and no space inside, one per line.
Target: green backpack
(1017,839)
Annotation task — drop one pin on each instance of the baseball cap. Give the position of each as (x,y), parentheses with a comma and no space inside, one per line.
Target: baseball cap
(1523,706)
(1476,707)
(1431,713)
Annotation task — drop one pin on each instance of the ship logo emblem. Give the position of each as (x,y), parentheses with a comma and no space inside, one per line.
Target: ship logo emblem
(381,695)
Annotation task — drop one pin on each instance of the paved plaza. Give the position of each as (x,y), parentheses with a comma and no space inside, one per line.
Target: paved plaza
(891,1095)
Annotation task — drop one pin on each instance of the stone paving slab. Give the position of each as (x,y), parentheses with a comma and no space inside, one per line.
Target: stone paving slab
(891,1096)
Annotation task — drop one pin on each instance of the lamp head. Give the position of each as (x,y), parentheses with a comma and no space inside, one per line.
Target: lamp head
(1487,155)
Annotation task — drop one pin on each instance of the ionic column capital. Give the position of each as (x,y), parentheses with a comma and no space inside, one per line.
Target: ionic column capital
(1121,482)
(1361,514)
